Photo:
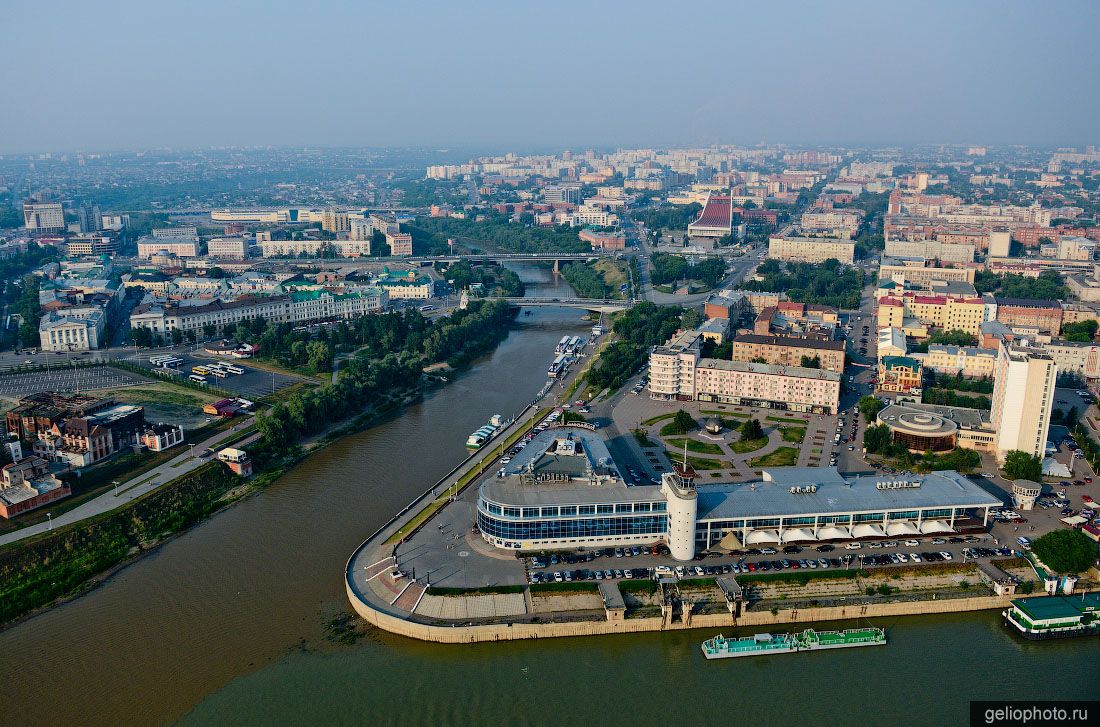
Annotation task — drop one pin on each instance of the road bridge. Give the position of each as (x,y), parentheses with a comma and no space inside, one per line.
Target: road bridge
(595,305)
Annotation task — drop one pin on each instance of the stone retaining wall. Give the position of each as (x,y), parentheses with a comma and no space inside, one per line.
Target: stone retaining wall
(506,632)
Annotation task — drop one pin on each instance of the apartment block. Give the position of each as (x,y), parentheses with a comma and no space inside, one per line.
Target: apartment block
(788,351)
(811,249)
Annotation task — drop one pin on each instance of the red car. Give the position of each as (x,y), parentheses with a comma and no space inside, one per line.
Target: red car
(1086,498)
(1088,480)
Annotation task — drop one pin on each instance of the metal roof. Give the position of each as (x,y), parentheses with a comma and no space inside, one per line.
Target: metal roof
(836,494)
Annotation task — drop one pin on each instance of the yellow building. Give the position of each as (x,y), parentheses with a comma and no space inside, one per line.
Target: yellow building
(899,374)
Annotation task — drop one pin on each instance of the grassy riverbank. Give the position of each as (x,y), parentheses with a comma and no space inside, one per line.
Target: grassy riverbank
(40,570)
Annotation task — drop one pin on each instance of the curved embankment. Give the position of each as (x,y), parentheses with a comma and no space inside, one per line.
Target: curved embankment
(380,616)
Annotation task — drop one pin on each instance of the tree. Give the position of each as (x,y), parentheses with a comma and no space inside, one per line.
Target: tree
(811,362)
(1083,331)
(878,440)
(751,429)
(1020,465)
(209,330)
(870,406)
(141,337)
(177,336)
(690,318)
(1065,551)
(215,272)
(682,423)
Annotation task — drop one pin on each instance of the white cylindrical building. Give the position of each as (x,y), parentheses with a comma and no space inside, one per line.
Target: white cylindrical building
(683,507)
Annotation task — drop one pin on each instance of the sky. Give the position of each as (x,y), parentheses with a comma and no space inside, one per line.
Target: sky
(124,74)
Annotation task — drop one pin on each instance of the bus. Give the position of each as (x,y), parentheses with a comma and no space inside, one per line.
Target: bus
(220,373)
(197,379)
(201,370)
(233,369)
(427,308)
(557,367)
(169,363)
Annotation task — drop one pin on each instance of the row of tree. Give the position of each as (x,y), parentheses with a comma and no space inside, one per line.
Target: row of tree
(638,329)
(495,230)
(403,346)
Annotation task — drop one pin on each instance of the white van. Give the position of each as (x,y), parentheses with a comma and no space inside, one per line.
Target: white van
(854,546)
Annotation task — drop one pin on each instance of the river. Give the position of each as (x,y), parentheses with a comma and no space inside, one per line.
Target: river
(225,624)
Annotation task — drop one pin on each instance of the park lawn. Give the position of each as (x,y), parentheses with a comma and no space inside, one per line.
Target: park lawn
(694,445)
(715,412)
(782,457)
(793,434)
(699,463)
(671,430)
(786,420)
(614,274)
(659,417)
(742,446)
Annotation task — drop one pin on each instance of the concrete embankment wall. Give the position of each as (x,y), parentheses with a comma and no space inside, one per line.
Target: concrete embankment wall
(506,632)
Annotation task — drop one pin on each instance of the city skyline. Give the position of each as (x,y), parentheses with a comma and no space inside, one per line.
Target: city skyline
(259,75)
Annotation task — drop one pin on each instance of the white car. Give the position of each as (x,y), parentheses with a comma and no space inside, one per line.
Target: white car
(902,557)
(912,543)
(853,546)
(945,554)
(915,557)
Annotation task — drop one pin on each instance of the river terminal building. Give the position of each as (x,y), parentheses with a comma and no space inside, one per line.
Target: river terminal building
(564,491)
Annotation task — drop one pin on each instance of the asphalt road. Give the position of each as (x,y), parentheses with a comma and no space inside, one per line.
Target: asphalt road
(137,486)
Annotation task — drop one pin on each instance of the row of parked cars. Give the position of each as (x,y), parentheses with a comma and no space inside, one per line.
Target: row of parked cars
(546,561)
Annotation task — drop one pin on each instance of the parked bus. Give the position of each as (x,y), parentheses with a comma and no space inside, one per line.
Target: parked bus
(197,379)
(233,369)
(557,367)
(220,373)
(202,370)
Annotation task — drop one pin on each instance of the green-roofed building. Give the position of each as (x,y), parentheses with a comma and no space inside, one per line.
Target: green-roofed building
(900,373)
(1055,617)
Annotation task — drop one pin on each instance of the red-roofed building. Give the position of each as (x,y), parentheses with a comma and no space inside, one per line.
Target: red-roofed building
(716,219)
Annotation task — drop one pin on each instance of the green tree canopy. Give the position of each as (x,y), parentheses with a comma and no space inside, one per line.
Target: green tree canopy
(1020,465)
(682,423)
(870,406)
(1065,551)
(751,429)
(1083,331)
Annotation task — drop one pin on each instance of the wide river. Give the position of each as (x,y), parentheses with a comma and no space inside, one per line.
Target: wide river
(225,624)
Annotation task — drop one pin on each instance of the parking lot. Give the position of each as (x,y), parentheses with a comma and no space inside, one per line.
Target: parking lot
(252,384)
(66,379)
(654,560)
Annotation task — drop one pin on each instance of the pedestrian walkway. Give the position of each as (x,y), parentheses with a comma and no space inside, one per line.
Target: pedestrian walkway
(135,487)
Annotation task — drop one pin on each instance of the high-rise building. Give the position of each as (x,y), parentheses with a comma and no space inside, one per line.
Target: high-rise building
(1023,397)
(43,216)
(89,217)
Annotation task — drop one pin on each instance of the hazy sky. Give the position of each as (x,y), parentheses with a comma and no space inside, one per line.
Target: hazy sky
(138,74)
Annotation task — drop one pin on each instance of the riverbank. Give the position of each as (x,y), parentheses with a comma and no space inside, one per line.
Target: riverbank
(64,563)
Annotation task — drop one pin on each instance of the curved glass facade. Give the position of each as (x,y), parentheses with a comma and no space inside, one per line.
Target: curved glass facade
(558,528)
(925,442)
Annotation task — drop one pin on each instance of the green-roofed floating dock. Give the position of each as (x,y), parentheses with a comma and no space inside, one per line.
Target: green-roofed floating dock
(1055,617)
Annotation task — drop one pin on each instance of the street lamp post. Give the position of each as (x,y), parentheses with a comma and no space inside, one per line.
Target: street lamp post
(191,449)
(49,520)
(115,483)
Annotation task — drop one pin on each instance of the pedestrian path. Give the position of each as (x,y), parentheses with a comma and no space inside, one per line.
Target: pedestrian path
(135,487)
